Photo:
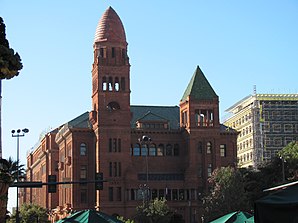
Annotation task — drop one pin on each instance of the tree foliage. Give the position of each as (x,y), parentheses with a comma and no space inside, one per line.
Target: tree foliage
(10,62)
(227,193)
(237,189)
(156,211)
(31,213)
(289,155)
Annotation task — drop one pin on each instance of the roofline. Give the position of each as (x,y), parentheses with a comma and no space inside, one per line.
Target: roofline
(281,186)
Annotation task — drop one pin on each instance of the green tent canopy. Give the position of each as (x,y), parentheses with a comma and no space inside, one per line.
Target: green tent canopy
(280,206)
(89,216)
(234,217)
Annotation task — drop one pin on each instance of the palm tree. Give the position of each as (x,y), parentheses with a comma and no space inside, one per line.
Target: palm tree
(9,171)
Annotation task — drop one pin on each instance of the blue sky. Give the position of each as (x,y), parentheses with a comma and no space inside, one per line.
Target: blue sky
(237,44)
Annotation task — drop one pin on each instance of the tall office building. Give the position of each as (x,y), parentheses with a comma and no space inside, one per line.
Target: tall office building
(266,123)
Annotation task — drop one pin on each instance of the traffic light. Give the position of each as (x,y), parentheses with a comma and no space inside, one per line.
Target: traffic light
(99,181)
(52,184)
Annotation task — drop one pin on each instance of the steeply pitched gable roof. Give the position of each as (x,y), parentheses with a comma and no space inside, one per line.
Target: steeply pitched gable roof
(199,88)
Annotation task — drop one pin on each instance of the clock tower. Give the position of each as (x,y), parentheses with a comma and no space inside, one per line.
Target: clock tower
(110,115)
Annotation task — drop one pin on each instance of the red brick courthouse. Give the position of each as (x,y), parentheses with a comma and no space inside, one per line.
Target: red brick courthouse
(187,142)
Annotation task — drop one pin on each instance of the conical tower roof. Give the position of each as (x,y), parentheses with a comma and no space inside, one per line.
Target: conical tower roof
(110,28)
(199,88)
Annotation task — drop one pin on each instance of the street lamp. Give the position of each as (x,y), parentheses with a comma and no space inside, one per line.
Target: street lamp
(145,140)
(18,133)
(283,168)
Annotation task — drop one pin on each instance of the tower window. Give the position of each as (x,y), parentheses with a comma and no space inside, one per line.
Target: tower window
(110,84)
(116,84)
(113,52)
(122,85)
(83,149)
(104,83)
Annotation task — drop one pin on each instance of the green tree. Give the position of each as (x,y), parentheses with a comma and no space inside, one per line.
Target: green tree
(9,171)
(10,65)
(227,193)
(156,211)
(31,213)
(289,155)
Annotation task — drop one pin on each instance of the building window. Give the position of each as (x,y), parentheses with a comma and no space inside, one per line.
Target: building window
(43,169)
(169,150)
(209,148)
(288,128)
(160,150)
(110,169)
(111,194)
(152,150)
(84,196)
(276,127)
(136,150)
(277,141)
(144,150)
(161,193)
(83,149)
(200,170)
(176,150)
(200,147)
(223,150)
(83,172)
(184,118)
(209,170)
(118,194)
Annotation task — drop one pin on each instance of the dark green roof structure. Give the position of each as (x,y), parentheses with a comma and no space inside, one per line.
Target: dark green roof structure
(199,88)
(155,113)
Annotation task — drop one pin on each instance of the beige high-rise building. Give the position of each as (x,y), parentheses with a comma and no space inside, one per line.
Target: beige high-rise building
(266,123)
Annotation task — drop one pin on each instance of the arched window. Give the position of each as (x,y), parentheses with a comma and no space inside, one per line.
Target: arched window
(169,150)
(160,150)
(136,150)
(83,149)
(144,150)
(117,84)
(176,150)
(152,150)
(113,106)
(104,83)
(110,84)
(209,148)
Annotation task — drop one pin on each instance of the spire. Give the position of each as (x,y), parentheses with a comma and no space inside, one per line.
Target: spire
(199,88)
(110,28)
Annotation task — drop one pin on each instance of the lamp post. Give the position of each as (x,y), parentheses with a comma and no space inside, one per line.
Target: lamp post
(283,168)
(145,140)
(18,133)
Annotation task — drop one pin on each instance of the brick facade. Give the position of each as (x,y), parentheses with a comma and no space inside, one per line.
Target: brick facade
(188,142)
